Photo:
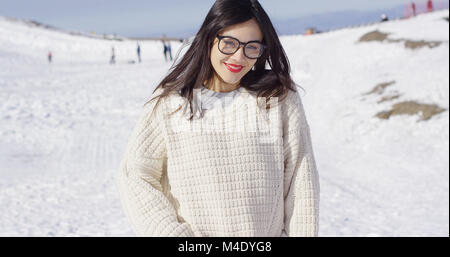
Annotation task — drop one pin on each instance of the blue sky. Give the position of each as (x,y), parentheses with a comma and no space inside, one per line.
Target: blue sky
(150,17)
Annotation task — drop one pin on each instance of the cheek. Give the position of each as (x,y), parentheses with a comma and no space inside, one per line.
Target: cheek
(216,58)
(250,66)
(217,61)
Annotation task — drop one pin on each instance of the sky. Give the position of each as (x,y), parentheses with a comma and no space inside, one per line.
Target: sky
(149,17)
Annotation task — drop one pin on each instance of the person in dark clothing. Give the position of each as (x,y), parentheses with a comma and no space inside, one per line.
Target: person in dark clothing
(49,57)
(139,52)
(113,56)
(163,40)
(413,8)
(167,49)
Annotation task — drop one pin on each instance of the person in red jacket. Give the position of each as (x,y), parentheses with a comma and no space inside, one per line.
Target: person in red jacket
(429,6)
(413,8)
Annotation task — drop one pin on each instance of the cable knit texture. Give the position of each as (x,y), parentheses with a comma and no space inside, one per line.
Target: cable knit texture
(223,174)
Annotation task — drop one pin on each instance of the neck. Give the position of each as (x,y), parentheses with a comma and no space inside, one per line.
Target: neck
(218,85)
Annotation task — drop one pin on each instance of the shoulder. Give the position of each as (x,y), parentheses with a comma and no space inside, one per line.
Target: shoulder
(292,102)
(162,105)
(293,111)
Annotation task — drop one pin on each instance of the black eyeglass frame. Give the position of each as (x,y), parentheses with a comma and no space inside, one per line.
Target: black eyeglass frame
(263,47)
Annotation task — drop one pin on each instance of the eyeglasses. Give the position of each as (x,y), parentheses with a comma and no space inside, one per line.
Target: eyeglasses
(230,45)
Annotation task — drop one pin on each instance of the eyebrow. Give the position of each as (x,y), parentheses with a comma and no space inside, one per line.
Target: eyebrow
(241,41)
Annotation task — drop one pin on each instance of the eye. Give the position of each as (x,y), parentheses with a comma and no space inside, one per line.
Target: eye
(229,42)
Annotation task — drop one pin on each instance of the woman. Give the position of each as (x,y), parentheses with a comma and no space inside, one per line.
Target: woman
(197,165)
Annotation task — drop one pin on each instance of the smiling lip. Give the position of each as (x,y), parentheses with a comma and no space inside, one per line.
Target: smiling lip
(232,67)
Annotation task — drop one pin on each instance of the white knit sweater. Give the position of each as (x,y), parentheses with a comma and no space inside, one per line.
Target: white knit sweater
(222,174)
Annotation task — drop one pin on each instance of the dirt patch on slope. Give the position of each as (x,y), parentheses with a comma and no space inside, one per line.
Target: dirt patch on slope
(388,98)
(374,36)
(378,36)
(379,89)
(419,44)
(426,111)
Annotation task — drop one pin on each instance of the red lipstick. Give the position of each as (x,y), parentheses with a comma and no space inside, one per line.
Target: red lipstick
(234,68)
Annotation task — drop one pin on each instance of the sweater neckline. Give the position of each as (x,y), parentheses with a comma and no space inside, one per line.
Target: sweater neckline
(235,95)
(209,91)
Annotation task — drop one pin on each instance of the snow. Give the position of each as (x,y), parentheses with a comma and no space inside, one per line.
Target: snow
(64,127)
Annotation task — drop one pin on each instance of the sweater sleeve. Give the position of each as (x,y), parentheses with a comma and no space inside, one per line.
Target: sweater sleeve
(301,180)
(142,182)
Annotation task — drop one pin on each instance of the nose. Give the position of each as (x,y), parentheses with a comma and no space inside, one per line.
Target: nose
(239,56)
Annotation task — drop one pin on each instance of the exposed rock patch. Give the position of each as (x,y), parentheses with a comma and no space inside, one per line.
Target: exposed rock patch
(426,111)
(379,89)
(388,98)
(419,44)
(377,36)
(374,36)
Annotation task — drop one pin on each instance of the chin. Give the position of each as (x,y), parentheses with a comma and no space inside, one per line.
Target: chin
(232,80)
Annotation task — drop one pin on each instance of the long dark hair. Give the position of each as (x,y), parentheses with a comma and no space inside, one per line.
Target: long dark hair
(195,66)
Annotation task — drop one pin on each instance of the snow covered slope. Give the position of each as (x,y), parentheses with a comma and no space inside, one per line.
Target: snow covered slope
(64,127)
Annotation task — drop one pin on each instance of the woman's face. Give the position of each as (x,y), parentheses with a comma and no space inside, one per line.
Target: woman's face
(244,32)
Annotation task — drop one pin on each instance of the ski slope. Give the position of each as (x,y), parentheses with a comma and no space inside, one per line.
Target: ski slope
(64,127)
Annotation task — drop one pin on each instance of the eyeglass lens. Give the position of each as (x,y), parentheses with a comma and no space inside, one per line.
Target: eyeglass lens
(230,46)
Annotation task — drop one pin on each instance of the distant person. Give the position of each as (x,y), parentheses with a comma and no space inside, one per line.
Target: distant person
(138,50)
(413,8)
(429,6)
(163,40)
(49,56)
(169,50)
(113,56)
(384,18)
